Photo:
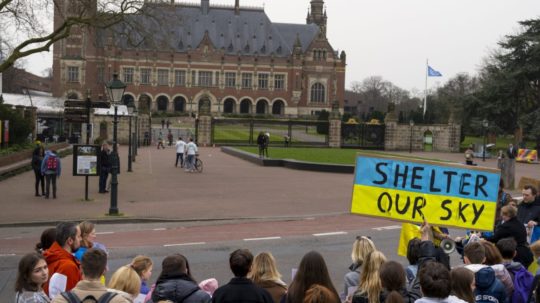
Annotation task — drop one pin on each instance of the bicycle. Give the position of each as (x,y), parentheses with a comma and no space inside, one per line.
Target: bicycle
(198,164)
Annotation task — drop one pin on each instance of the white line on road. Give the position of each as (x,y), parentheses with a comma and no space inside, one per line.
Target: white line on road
(105,233)
(336,233)
(7,255)
(262,239)
(12,238)
(387,227)
(159,229)
(184,244)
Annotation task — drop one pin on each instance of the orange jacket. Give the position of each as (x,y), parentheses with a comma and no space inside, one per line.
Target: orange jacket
(62,262)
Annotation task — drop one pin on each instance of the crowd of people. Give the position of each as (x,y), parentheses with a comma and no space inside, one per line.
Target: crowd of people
(69,265)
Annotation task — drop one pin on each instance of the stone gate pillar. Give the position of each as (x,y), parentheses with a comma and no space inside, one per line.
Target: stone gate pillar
(204,130)
(334,127)
(391,130)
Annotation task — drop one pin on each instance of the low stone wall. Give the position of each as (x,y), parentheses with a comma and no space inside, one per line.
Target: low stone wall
(446,137)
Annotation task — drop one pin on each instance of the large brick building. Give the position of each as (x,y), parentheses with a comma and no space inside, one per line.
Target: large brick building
(232,56)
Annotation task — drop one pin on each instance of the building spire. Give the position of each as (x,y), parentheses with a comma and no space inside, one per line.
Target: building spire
(318,15)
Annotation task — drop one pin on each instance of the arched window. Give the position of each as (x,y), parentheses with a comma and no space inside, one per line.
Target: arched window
(228,106)
(245,106)
(318,94)
(261,107)
(278,108)
(162,103)
(179,104)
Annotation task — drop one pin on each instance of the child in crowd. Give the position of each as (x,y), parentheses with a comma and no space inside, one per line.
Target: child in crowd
(143,266)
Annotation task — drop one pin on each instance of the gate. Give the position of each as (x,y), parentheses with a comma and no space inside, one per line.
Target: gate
(363,135)
(227,131)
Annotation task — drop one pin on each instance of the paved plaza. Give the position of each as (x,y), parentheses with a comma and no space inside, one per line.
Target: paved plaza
(229,188)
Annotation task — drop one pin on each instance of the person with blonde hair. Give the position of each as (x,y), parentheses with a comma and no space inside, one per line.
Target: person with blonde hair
(88,239)
(361,248)
(535,248)
(126,282)
(143,266)
(319,294)
(370,286)
(265,274)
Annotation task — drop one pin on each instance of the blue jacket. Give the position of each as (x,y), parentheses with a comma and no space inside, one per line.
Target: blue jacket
(44,170)
(488,288)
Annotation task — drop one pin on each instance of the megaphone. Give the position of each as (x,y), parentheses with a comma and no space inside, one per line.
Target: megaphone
(448,246)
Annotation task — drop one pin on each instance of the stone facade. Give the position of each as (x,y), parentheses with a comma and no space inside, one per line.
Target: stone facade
(103,128)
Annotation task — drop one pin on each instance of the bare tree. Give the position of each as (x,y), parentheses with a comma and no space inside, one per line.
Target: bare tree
(25,26)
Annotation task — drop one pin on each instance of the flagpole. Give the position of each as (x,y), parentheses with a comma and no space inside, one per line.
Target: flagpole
(425,90)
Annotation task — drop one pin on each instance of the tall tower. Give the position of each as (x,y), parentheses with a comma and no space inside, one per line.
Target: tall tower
(318,15)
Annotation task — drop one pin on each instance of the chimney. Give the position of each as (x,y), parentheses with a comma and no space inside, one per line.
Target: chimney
(237,7)
(205,5)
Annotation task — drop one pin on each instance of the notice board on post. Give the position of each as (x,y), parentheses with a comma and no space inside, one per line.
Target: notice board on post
(86,160)
(445,194)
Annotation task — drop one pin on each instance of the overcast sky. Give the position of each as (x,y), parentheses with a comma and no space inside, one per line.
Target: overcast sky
(393,38)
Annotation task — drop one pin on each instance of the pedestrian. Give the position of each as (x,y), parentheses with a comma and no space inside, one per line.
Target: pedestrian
(51,169)
(64,269)
(266,143)
(168,123)
(32,275)
(160,141)
(370,286)
(176,284)
(511,152)
(240,289)
(94,264)
(180,148)
(191,151)
(394,284)
(105,167)
(143,266)
(469,156)
(125,282)
(463,283)
(162,123)
(88,239)
(146,141)
(362,247)
(37,157)
(436,284)
(264,273)
(312,270)
(46,240)
(170,137)
(261,142)
(115,165)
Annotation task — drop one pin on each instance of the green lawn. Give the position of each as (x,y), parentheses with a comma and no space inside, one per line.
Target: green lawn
(319,155)
(501,143)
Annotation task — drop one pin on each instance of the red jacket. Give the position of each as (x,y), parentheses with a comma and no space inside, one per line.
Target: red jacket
(61,261)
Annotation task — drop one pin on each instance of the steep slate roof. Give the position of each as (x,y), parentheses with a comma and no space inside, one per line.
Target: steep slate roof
(183,27)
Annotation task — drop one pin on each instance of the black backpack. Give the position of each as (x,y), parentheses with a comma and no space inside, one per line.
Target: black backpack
(71,297)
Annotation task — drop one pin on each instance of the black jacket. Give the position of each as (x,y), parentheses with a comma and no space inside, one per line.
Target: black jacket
(529,211)
(104,157)
(241,290)
(514,229)
(179,289)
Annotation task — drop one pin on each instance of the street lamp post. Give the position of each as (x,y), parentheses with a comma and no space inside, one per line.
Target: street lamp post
(411,124)
(130,107)
(136,134)
(115,89)
(484,127)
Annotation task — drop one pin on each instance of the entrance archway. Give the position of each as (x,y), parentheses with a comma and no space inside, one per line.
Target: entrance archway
(229,106)
(245,106)
(162,103)
(278,108)
(127,99)
(262,107)
(180,104)
(428,141)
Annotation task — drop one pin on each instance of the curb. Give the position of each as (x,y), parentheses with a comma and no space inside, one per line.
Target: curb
(289,163)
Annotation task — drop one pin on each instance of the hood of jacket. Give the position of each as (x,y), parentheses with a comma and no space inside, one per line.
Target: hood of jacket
(485,277)
(56,253)
(475,267)
(176,290)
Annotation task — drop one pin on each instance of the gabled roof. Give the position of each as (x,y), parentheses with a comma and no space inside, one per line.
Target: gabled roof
(182,27)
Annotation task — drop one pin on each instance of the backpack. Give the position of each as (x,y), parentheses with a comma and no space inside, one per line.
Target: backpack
(523,283)
(52,162)
(71,297)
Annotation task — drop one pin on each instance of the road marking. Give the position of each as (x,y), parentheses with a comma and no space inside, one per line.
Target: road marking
(12,238)
(387,227)
(7,255)
(159,229)
(184,244)
(336,233)
(105,233)
(262,239)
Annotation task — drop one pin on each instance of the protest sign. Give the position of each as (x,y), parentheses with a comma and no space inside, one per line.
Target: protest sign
(410,190)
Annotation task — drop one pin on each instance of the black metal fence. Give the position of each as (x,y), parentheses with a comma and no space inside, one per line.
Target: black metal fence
(363,135)
(228,131)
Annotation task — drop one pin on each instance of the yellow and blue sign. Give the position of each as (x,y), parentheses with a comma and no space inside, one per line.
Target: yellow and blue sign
(410,190)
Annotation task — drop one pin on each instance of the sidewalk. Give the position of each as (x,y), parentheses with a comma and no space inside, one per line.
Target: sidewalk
(229,188)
